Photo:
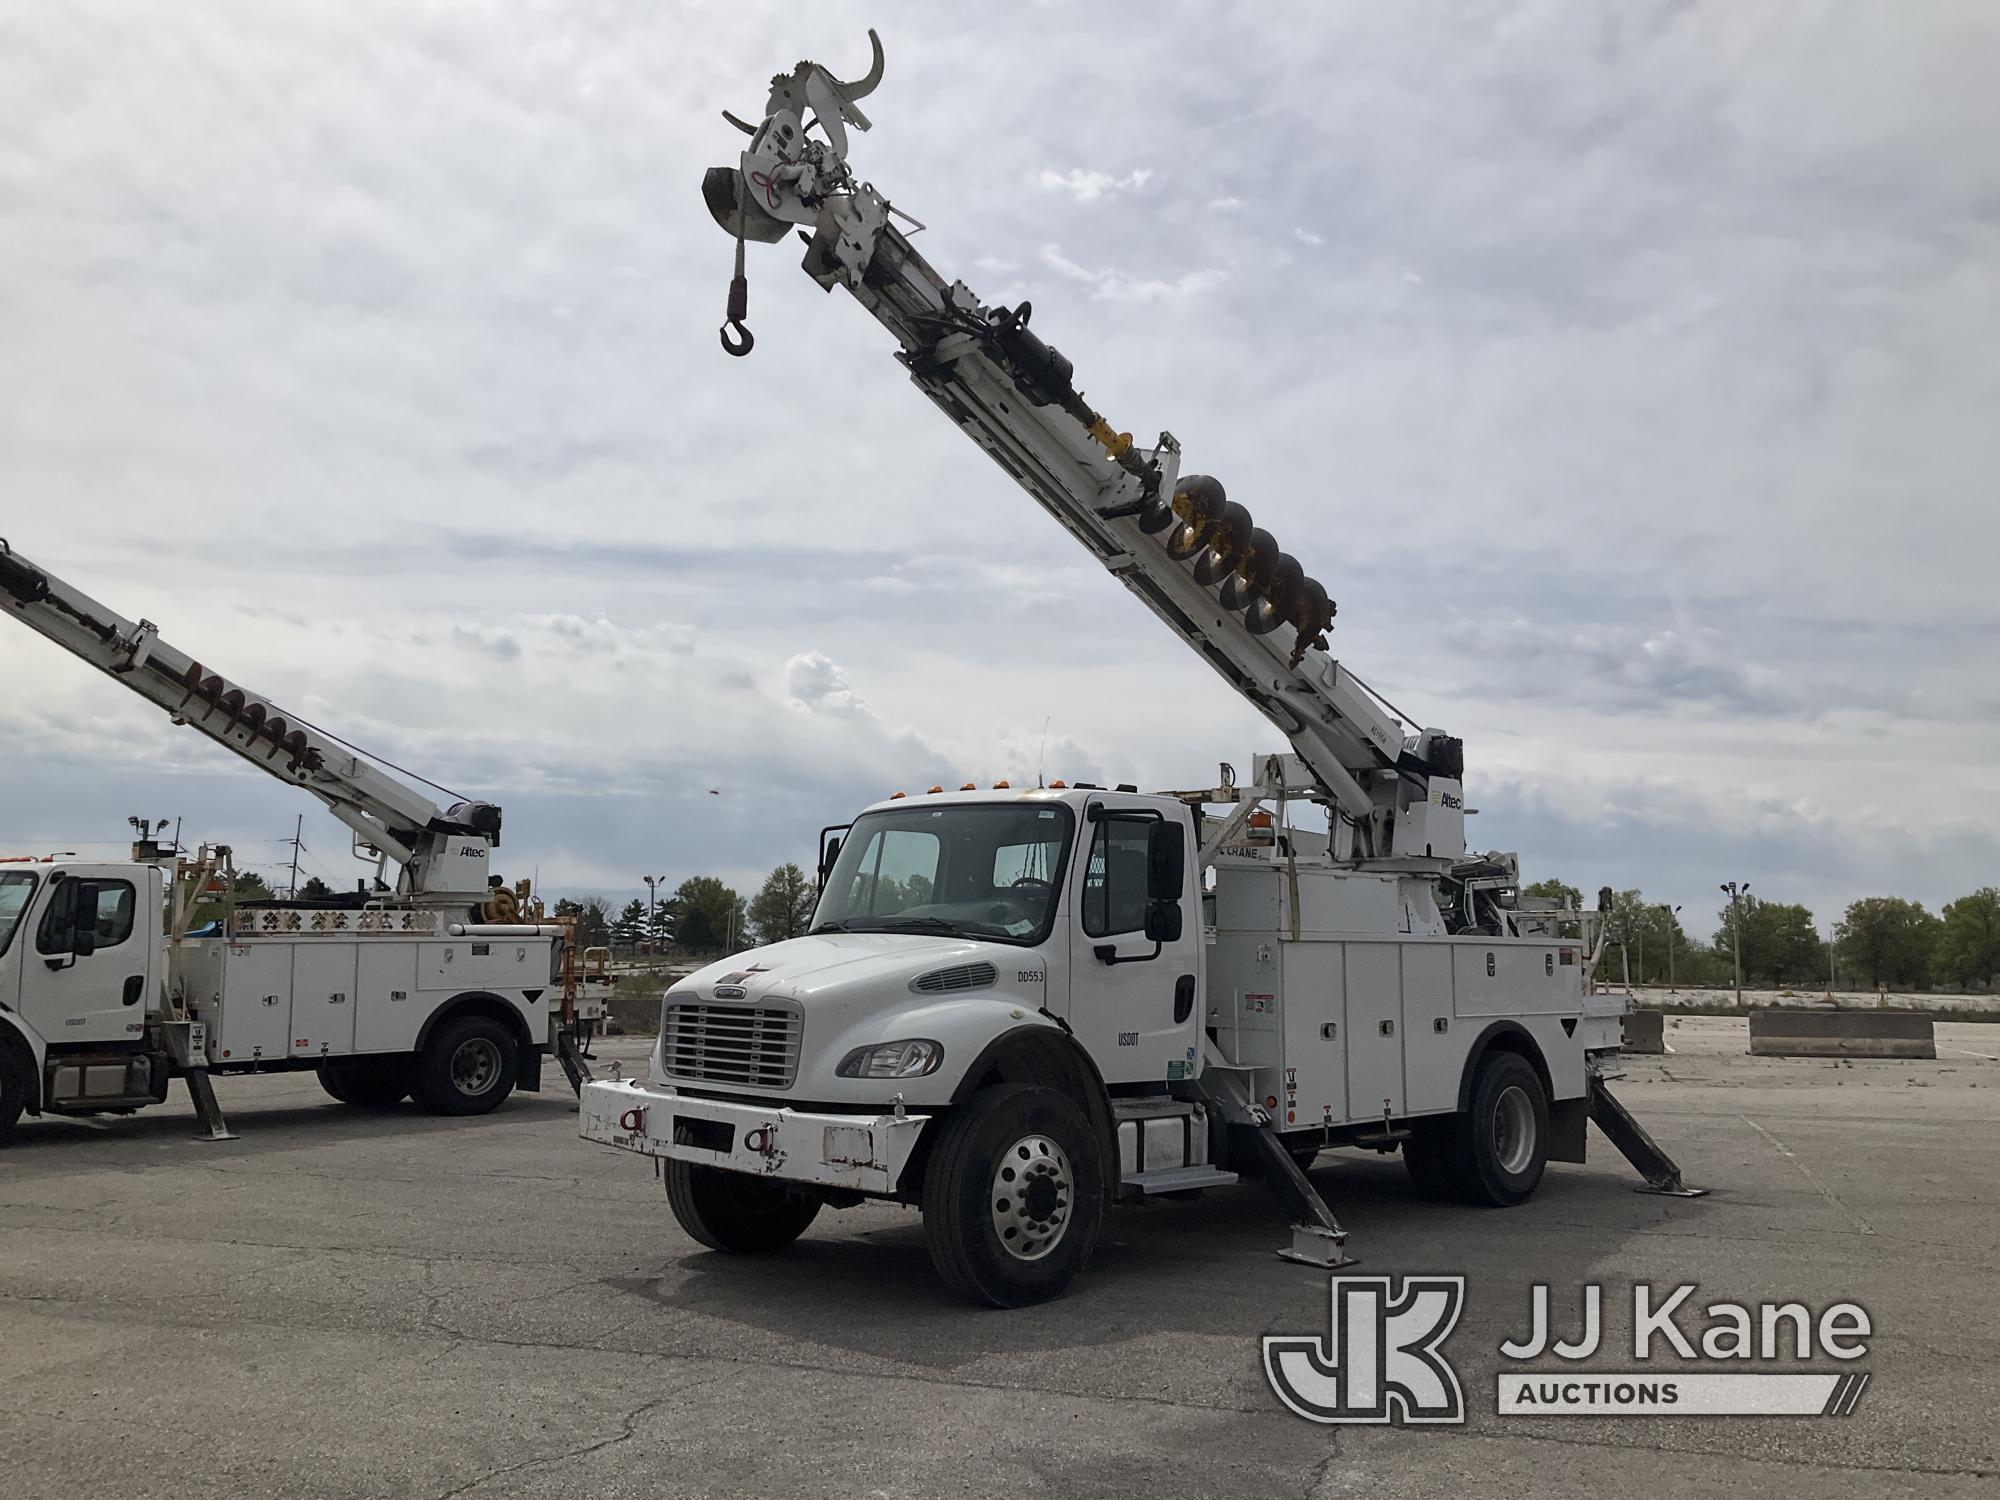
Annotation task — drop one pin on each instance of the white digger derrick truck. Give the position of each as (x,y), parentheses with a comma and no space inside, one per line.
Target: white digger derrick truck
(1016,1006)
(448,986)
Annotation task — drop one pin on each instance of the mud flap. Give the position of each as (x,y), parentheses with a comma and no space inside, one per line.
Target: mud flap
(1569,1122)
(575,1069)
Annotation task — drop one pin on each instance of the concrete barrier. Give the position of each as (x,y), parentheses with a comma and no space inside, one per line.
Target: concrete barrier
(1840,1033)
(1645,1031)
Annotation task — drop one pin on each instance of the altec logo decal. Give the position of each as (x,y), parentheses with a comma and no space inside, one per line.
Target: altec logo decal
(1383,1359)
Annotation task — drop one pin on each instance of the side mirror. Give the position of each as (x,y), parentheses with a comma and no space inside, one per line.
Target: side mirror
(1166,862)
(1163,922)
(827,857)
(83,939)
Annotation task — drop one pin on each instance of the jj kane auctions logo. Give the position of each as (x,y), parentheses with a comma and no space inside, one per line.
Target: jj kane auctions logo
(1382,1359)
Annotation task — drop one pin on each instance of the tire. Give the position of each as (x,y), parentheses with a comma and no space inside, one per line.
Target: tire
(736,1212)
(369,1084)
(1428,1156)
(997,1246)
(1503,1140)
(467,1067)
(17,1079)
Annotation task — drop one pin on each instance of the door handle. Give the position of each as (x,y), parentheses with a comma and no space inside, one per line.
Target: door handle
(135,986)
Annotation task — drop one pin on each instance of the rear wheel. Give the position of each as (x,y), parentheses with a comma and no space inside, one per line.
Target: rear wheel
(368,1083)
(467,1067)
(1504,1137)
(1013,1196)
(736,1212)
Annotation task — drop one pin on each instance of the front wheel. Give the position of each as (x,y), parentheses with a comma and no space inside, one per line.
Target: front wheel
(467,1067)
(1013,1196)
(734,1211)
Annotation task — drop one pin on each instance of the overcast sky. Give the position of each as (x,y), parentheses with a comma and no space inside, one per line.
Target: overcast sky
(1626,371)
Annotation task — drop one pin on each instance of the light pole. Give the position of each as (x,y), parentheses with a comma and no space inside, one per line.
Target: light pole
(1736,895)
(652,883)
(1672,912)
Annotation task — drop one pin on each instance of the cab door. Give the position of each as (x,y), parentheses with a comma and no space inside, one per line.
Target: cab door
(84,964)
(1131,998)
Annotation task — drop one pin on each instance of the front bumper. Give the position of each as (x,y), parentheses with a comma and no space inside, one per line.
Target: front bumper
(862,1153)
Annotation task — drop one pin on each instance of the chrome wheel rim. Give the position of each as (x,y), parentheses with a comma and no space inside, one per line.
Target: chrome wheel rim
(1513,1130)
(1032,1197)
(475,1065)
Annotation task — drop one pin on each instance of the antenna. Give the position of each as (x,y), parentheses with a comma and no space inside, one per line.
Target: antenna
(1042,756)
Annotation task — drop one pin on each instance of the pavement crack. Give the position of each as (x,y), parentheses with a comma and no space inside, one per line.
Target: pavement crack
(628,1425)
(1861,1225)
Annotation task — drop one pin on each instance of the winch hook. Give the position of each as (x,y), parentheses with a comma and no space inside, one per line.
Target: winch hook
(739,309)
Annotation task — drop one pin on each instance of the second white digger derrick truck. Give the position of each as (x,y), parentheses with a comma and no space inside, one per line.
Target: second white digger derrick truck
(1015,1007)
(447,987)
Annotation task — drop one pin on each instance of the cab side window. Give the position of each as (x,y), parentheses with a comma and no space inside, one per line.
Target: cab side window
(108,907)
(1114,882)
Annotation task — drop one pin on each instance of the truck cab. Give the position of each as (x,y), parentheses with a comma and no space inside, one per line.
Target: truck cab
(81,960)
(1020,958)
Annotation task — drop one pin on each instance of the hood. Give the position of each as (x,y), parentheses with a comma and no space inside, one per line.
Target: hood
(805,967)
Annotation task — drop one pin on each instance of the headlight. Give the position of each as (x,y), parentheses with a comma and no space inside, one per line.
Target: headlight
(911,1059)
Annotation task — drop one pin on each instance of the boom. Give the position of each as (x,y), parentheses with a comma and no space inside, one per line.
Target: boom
(1194,557)
(443,852)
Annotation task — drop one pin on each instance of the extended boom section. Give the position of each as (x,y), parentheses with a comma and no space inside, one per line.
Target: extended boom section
(443,852)
(1195,558)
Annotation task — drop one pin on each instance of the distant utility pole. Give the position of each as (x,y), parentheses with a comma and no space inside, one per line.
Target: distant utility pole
(1736,895)
(1672,913)
(298,835)
(652,884)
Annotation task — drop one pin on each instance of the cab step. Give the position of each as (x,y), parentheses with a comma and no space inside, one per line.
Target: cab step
(1177,1179)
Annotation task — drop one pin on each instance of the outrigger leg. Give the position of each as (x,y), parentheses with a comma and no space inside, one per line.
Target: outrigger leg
(1661,1171)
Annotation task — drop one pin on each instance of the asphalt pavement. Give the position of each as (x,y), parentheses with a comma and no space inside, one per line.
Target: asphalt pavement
(351,1304)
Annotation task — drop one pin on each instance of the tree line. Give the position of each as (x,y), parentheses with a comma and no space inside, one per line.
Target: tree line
(703,915)
(1879,940)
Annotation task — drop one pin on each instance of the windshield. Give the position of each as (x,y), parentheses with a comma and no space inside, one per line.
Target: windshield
(969,870)
(16,886)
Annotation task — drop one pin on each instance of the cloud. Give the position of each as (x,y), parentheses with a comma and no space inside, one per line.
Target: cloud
(1116,286)
(1671,477)
(1086,185)
(818,683)
(1307,237)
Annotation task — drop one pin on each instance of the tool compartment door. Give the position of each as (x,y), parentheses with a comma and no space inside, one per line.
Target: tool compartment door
(1433,1042)
(1314,1084)
(1374,1029)
(322,999)
(387,1012)
(255,1013)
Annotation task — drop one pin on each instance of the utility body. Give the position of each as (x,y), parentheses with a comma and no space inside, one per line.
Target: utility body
(447,985)
(1015,1007)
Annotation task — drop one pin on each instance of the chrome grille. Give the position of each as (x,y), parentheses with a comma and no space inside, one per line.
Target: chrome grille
(752,1046)
(962,977)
